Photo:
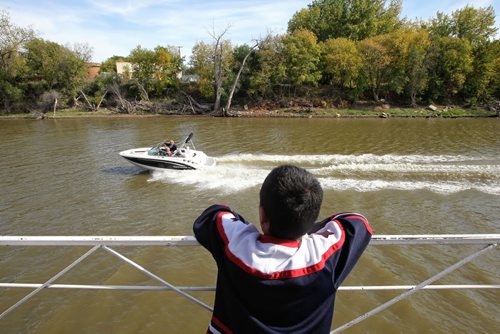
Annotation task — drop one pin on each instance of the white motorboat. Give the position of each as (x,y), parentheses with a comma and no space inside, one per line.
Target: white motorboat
(156,158)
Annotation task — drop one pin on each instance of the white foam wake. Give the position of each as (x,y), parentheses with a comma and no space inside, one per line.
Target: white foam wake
(367,172)
(342,158)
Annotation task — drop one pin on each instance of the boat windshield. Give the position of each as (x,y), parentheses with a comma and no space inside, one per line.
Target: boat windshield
(155,150)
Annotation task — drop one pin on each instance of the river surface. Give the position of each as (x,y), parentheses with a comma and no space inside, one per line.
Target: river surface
(407,176)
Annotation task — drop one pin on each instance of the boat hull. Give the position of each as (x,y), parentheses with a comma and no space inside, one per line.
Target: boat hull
(191,160)
(155,164)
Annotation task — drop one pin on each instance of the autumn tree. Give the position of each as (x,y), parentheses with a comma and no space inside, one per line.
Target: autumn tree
(375,68)
(341,62)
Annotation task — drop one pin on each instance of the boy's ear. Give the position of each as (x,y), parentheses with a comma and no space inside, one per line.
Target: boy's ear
(264,222)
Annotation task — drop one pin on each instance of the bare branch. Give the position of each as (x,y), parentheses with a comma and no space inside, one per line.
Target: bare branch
(102,99)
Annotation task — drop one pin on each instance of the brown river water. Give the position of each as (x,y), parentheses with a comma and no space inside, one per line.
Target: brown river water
(407,176)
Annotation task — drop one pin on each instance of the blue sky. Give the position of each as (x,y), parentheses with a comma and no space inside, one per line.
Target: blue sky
(115,27)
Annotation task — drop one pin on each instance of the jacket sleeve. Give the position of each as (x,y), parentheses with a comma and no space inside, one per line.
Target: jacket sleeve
(206,231)
(358,234)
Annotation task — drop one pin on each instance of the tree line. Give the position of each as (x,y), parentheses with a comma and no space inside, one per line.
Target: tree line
(334,53)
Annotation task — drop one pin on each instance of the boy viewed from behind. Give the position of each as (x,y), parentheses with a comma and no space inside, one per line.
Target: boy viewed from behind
(284,280)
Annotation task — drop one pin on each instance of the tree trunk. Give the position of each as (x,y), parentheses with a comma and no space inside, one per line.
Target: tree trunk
(122,104)
(235,83)
(91,106)
(375,94)
(102,99)
(218,94)
(144,92)
(55,106)
(413,98)
(218,70)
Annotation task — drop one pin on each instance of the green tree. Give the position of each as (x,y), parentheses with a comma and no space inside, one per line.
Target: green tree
(450,63)
(154,70)
(477,27)
(144,68)
(308,18)
(168,64)
(494,87)
(52,67)
(416,64)
(270,68)
(213,64)
(109,65)
(407,51)
(353,19)
(302,56)
(12,41)
(202,65)
(440,26)
(239,54)
(478,83)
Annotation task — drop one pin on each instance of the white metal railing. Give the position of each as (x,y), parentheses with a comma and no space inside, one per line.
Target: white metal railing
(489,241)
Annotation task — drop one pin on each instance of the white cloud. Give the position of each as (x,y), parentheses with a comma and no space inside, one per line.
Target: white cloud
(116,27)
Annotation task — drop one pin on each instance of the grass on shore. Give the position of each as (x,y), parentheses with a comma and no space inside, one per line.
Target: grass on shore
(450,112)
(393,112)
(63,113)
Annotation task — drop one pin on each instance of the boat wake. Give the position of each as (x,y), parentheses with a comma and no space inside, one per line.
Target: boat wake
(366,172)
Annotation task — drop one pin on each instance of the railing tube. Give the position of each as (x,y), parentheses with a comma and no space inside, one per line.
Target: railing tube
(415,289)
(159,279)
(59,274)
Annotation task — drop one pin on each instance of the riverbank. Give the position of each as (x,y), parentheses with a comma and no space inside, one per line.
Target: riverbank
(379,112)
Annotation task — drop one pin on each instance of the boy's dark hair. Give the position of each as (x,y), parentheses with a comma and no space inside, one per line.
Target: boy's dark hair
(291,198)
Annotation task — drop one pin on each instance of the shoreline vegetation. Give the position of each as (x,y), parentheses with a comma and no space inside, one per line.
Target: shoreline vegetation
(383,111)
(338,59)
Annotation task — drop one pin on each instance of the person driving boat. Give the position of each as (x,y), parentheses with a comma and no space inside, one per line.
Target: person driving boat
(168,148)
